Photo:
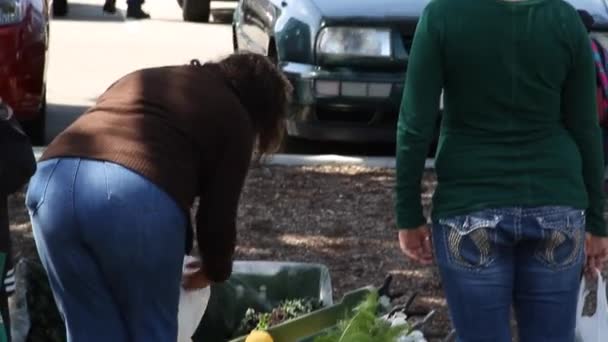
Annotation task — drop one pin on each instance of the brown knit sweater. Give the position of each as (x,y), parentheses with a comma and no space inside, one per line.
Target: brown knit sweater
(184,129)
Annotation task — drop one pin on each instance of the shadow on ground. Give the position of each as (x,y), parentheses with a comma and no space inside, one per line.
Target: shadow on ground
(218,17)
(89,12)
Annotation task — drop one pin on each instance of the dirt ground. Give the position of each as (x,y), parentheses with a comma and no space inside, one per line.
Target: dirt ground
(340,216)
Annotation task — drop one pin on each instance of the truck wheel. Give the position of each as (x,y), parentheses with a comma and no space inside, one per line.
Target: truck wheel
(60,8)
(196,10)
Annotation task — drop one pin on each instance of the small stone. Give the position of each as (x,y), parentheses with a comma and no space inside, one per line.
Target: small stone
(266,172)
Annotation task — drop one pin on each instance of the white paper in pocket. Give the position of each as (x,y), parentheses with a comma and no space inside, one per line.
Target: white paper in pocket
(192,306)
(592,328)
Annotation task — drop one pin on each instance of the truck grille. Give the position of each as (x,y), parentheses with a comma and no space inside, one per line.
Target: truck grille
(359,116)
(407,30)
(407,42)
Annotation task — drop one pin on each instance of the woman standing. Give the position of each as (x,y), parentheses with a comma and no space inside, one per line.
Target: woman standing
(519,163)
(111,198)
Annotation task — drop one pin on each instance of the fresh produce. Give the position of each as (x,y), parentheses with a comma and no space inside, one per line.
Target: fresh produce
(414,336)
(259,336)
(285,311)
(366,326)
(400,319)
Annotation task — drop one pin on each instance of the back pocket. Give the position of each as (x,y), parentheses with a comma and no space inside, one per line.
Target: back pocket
(470,240)
(562,238)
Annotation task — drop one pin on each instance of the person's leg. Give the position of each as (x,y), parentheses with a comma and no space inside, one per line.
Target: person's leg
(135,11)
(109,6)
(474,255)
(141,252)
(549,261)
(89,311)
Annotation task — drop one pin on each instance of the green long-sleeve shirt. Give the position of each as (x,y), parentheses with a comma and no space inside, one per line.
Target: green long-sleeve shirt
(519,126)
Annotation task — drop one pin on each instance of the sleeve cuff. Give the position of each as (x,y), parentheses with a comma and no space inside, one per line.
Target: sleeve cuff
(596,226)
(410,221)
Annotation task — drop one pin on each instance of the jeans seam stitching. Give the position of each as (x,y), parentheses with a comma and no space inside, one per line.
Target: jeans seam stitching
(105,174)
(46,185)
(73,189)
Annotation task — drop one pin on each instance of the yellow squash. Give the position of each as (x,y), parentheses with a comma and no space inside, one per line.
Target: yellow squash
(259,336)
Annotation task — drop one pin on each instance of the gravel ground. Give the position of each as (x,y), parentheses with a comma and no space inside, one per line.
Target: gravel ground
(340,216)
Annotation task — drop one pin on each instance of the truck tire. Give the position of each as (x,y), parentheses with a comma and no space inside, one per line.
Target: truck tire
(196,10)
(60,8)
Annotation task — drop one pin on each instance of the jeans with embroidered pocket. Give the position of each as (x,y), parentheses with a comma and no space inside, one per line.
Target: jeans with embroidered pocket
(529,259)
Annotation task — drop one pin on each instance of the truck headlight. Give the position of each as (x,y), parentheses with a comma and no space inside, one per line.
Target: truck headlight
(354,42)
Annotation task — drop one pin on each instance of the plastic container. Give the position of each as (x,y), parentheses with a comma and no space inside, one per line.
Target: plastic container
(307,327)
(260,285)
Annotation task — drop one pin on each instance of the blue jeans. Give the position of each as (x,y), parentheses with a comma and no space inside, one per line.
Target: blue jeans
(112,244)
(527,258)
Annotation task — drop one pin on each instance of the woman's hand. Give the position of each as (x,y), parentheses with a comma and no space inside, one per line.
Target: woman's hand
(416,244)
(596,251)
(194,277)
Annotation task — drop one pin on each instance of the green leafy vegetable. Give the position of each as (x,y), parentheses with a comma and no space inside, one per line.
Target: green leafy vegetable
(364,326)
(287,309)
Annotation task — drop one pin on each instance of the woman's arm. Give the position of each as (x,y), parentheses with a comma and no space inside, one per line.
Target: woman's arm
(217,211)
(579,110)
(417,119)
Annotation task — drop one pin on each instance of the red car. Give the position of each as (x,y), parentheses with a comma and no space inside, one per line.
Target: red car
(24,42)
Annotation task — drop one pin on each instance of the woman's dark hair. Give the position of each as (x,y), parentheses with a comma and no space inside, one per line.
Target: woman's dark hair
(264,91)
(587,19)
